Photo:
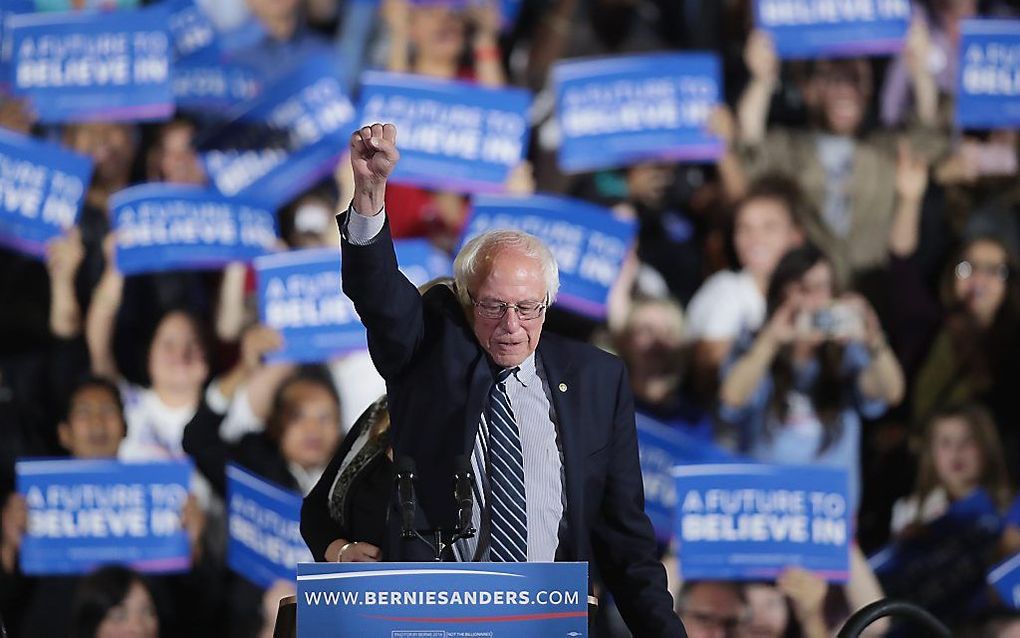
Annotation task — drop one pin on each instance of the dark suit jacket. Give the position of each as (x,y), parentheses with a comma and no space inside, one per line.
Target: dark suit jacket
(437,379)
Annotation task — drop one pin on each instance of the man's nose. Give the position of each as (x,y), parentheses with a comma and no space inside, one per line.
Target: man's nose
(511,320)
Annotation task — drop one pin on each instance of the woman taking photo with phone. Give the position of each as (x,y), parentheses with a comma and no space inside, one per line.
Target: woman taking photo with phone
(796,392)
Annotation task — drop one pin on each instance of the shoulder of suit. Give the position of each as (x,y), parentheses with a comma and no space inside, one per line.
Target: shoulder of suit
(580,353)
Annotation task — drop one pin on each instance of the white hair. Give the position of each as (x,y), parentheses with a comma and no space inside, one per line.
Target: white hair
(474,258)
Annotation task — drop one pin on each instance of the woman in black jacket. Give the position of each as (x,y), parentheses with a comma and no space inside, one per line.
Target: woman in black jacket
(343,519)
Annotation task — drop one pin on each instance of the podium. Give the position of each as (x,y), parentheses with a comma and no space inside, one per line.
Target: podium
(442,600)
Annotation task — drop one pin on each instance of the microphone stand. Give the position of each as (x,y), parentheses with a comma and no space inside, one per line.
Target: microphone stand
(442,538)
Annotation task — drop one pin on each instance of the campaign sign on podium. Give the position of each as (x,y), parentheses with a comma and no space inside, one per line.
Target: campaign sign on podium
(451,600)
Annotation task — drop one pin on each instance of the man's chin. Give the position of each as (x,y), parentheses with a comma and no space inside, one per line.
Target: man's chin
(508,358)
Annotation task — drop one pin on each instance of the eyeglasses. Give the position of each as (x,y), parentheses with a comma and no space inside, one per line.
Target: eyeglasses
(966,269)
(526,310)
(728,624)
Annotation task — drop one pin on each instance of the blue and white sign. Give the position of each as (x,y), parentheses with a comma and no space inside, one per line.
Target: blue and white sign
(752,521)
(451,135)
(82,514)
(419,600)
(1005,578)
(286,139)
(988,93)
(190,28)
(204,83)
(588,243)
(662,448)
(264,522)
(300,296)
(91,66)
(617,111)
(42,187)
(164,227)
(827,29)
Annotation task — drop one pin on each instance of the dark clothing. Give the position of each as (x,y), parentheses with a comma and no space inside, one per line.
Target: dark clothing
(437,379)
(365,504)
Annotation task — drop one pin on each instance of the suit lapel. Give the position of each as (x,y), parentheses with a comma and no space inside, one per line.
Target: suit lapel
(481,381)
(565,397)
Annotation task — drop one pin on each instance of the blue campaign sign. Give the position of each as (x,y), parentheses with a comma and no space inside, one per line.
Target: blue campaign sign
(621,110)
(419,600)
(92,66)
(662,448)
(826,29)
(751,521)
(299,295)
(190,28)
(42,187)
(588,242)
(164,227)
(83,514)
(204,83)
(988,93)
(264,522)
(1005,578)
(451,135)
(285,139)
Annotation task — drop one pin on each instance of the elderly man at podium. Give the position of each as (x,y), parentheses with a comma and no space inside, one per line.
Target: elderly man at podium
(547,423)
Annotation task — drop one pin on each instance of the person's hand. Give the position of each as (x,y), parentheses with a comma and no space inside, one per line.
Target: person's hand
(487,19)
(761,58)
(396,15)
(14,520)
(255,343)
(911,173)
(63,256)
(805,590)
(521,180)
(723,125)
(359,552)
(373,156)
(868,329)
(917,49)
(193,522)
(16,115)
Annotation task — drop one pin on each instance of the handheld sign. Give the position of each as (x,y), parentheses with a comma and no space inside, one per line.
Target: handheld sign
(83,514)
(452,135)
(173,227)
(826,29)
(264,522)
(190,28)
(660,449)
(410,600)
(751,521)
(1006,580)
(284,140)
(93,66)
(588,243)
(989,75)
(204,83)
(617,111)
(299,295)
(42,187)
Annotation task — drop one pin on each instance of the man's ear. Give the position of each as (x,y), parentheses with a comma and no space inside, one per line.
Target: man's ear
(64,435)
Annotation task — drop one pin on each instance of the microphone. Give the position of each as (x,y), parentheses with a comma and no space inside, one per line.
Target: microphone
(405,495)
(463,483)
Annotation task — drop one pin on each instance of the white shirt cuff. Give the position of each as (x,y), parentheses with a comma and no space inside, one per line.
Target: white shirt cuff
(361,229)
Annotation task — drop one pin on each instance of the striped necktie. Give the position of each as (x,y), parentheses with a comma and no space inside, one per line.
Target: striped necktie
(509,535)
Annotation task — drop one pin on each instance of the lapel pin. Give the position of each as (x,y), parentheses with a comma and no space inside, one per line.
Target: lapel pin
(563,387)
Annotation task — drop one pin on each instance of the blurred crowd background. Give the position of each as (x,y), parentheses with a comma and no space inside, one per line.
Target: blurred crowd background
(841,287)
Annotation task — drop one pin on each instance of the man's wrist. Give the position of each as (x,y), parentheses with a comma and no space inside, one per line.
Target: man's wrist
(369,201)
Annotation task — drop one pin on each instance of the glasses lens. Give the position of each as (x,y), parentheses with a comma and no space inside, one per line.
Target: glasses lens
(964,270)
(491,310)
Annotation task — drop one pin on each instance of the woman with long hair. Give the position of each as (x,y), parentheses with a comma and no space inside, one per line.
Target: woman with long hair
(797,391)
